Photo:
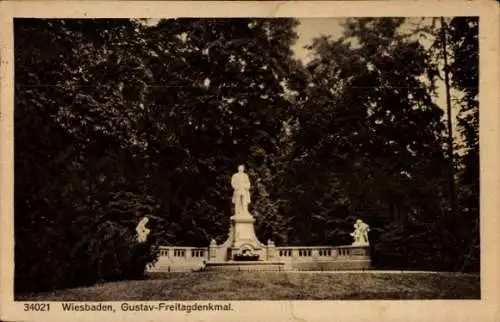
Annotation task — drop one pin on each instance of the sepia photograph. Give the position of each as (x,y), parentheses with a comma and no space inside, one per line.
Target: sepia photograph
(242,165)
(246,159)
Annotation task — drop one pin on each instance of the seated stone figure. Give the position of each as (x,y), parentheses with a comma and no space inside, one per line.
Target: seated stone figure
(360,233)
(142,231)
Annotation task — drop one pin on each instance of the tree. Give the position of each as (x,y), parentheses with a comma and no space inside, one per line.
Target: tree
(126,142)
(75,145)
(371,141)
(463,33)
(230,111)
(455,49)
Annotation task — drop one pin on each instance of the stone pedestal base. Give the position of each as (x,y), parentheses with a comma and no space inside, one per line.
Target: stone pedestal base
(241,243)
(245,242)
(244,266)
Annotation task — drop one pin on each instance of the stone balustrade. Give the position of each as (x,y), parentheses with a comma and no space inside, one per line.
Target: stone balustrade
(324,257)
(179,259)
(321,252)
(175,259)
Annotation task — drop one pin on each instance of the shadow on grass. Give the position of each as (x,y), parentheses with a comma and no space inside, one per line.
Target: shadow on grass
(274,286)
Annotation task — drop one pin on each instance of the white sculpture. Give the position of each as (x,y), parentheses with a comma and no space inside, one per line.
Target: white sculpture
(241,196)
(360,233)
(142,231)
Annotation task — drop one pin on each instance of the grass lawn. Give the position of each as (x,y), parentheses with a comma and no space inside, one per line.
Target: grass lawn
(275,286)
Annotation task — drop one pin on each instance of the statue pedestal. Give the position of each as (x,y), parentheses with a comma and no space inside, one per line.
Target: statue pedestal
(242,244)
(244,241)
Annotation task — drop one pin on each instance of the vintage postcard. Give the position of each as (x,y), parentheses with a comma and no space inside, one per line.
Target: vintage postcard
(226,161)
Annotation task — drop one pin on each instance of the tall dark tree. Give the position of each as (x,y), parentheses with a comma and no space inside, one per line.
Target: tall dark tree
(455,49)
(449,119)
(463,35)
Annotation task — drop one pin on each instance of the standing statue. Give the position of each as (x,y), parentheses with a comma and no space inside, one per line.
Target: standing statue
(142,231)
(360,233)
(241,196)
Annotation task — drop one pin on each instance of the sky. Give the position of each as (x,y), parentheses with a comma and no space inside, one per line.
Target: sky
(308,29)
(311,28)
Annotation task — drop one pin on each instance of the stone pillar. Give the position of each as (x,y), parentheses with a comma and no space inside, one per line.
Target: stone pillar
(212,252)
(271,250)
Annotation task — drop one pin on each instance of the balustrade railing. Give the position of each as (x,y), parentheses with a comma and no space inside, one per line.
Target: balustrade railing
(183,252)
(287,252)
(284,252)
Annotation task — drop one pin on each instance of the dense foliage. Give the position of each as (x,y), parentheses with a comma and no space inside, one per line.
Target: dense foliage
(116,120)
(464,34)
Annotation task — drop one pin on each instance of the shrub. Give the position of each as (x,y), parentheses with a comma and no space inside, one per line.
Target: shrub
(108,253)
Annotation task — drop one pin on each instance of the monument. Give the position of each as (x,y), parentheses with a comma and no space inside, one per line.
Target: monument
(244,244)
(242,250)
